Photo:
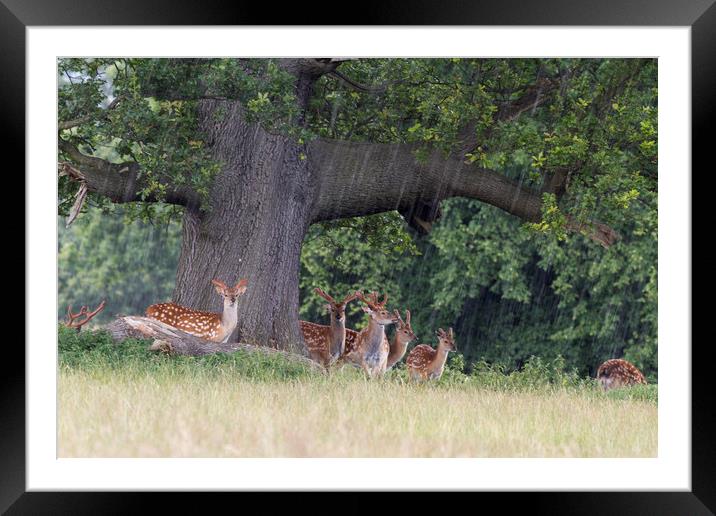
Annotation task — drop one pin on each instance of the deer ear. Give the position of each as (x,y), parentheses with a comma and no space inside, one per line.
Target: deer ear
(366,309)
(241,286)
(219,286)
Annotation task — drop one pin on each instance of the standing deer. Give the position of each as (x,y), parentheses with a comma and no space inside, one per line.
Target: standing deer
(326,344)
(206,325)
(618,373)
(403,336)
(371,347)
(426,363)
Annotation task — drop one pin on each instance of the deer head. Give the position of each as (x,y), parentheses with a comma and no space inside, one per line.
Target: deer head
(230,294)
(337,308)
(404,326)
(446,340)
(376,309)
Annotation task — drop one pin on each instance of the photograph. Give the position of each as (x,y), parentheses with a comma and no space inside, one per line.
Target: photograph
(357,257)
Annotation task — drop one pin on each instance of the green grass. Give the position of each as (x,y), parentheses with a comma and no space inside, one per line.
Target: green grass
(96,351)
(121,400)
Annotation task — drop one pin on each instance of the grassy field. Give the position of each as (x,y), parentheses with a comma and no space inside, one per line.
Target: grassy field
(123,401)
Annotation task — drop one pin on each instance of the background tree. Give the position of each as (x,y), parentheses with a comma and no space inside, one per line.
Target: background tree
(255,151)
(104,257)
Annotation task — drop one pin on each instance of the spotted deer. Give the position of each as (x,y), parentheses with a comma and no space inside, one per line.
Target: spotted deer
(403,336)
(349,354)
(617,372)
(426,363)
(206,325)
(326,344)
(371,348)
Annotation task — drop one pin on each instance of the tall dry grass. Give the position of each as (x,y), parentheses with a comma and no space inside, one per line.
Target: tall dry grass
(119,413)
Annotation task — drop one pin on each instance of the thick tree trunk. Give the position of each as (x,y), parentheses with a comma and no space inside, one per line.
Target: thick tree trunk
(260,210)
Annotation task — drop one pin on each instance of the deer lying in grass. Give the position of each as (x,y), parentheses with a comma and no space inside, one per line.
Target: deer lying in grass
(206,325)
(370,347)
(403,336)
(618,373)
(426,363)
(326,344)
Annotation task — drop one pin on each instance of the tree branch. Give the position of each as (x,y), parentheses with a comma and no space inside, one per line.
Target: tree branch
(120,182)
(532,97)
(314,68)
(69,124)
(556,181)
(380,88)
(363,178)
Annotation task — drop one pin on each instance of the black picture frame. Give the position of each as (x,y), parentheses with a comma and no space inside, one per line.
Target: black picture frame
(700,15)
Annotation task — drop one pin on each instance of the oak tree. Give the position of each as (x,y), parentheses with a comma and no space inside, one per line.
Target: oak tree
(253,152)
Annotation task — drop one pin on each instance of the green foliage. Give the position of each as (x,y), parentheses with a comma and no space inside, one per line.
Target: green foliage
(635,392)
(384,232)
(87,349)
(553,220)
(129,265)
(535,374)
(160,135)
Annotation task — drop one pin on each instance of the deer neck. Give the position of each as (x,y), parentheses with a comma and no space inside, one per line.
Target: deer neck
(229,317)
(440,357)
(374,334)
(338,336)
(397,348)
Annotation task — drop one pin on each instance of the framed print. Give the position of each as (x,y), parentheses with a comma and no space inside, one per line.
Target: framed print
(337,187)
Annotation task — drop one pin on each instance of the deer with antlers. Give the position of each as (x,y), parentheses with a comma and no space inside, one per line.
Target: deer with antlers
(426,363)
(206,325)
(370,347)
(72,322)
(403,336)
(326,344)
(618,373)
